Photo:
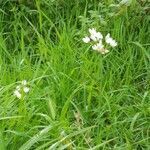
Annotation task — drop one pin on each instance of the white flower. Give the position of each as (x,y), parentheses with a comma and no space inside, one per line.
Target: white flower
(18,87)
(98,46)
(26,89)
(92,37)
(113,43)
(21,89)
(94,47)
(110,41)
(17,94)
(97,43)
(24,82)
(86,39)
(95,36)
(104,51)
(107,38)
(92,31)
(99,36)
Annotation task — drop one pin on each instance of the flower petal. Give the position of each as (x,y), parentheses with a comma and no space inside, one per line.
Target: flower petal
(86,39)
(99,36)
(24,82)
(92,31)
(17,94)
(94,47)
(26,89)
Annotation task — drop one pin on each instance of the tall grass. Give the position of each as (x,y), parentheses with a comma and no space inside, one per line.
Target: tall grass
(78,98)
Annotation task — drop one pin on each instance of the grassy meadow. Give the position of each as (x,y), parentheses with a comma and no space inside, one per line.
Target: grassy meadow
(75,97)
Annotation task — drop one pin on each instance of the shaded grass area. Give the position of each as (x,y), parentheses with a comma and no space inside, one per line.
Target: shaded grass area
(78,98)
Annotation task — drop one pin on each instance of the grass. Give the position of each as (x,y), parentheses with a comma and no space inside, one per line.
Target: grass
(78,99)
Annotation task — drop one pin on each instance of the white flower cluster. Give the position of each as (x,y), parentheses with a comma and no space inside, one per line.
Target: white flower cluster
(97,38)
(21,89)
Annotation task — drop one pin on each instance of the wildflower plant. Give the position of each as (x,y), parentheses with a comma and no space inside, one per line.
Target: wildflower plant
(98,42)
(21,90)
